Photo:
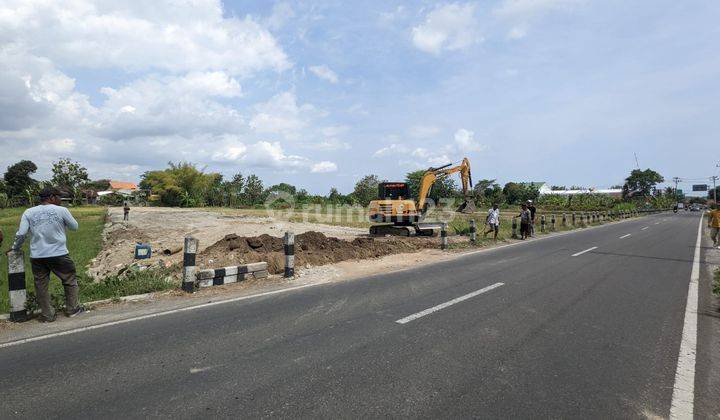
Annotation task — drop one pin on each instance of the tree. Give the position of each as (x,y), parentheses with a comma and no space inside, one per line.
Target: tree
(711,195)
(444,187)
(234,189)
(97,185)
(183,184)
(481,187)
(253,193)
(283,187)
(366,190)
(518,193)
(642,182)
(18,179)
(68,174)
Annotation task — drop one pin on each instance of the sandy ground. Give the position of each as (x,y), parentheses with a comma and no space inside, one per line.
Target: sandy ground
(166,228)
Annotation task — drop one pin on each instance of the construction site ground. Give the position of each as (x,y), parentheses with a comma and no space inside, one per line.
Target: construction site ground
(232,237)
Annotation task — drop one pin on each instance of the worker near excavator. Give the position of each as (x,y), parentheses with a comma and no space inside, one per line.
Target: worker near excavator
(525,222)
(493,222)
(533,210)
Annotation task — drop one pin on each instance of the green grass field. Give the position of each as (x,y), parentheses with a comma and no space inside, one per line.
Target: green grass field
(84,245)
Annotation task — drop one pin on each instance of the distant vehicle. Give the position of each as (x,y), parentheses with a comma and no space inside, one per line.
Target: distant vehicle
(681,206)
(694,207)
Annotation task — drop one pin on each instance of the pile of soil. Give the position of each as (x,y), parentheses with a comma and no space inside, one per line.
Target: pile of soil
(311,249)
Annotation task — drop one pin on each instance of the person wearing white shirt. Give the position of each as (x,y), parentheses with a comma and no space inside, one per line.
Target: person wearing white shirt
(493,221)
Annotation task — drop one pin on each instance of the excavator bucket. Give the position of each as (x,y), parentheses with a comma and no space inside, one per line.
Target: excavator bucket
(468,206)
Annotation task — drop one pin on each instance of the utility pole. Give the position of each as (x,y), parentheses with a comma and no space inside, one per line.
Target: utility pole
(676,180)
(714,178)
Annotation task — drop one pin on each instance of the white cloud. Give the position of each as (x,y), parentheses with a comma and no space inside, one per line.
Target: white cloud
(440,160)
(517,32)
(324,72)
(282,12)
(323,167)
(424,131)
(465,142)
(177,36)
(391,150)
(282,115)
(448,27)
(529,8)
(154,106)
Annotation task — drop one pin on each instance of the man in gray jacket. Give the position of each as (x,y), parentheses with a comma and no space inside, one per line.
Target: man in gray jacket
(46,225)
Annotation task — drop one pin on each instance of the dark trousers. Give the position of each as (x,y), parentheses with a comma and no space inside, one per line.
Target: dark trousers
(126,215)
(63,267)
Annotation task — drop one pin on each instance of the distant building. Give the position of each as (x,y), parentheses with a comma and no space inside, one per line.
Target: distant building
(545,189)
(126,189)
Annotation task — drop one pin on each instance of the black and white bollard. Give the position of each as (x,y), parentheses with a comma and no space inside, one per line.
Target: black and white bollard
(16,283)
(443,237)
(514,228)
(473,231)
(542,223)
(552,222)
(289,247)
(190,250)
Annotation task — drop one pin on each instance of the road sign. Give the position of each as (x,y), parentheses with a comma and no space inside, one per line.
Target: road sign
(700,187)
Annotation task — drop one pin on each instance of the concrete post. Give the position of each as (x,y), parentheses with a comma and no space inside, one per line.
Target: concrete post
(289,247)
(514,228)
(552,222)
(16,284)
(573,219)
(473,231)
(564,220)
(542,223)
(190,250)
(443,237)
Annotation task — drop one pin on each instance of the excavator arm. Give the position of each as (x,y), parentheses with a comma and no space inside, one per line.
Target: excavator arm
(432,174)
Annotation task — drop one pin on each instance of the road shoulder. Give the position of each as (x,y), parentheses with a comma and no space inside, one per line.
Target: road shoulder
(707,382)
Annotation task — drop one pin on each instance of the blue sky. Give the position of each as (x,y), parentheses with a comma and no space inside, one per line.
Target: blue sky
(320,93)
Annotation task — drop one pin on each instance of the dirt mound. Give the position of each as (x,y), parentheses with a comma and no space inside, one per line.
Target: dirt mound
(311,248)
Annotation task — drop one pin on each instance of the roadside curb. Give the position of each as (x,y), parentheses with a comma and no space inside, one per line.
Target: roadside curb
(131,298)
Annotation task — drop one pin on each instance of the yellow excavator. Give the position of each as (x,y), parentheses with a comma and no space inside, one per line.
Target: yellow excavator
(396,213)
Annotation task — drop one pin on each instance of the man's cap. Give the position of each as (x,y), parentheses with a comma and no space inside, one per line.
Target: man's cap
(48,192)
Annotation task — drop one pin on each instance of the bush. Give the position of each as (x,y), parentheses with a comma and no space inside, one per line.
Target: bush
(132,282)
(716,283)
(459,226)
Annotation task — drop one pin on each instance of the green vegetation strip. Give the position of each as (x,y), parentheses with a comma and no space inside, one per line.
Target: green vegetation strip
(84,245)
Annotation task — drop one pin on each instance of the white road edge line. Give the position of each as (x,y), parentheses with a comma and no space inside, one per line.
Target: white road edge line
(683,396)
(587,250)
(448,303)
(645,227)
(148,316)
(625,236)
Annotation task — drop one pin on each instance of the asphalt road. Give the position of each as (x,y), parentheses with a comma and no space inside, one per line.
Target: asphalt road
(525,331)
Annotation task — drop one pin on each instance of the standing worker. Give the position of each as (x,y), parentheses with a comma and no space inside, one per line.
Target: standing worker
(493,222)
(126,211)
(714,224)
(46,225)
(533,210)
(525,221)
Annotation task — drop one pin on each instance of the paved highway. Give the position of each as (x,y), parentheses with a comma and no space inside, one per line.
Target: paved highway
(587,324)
